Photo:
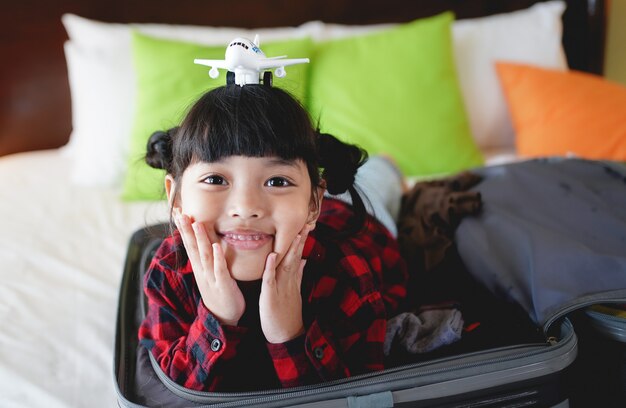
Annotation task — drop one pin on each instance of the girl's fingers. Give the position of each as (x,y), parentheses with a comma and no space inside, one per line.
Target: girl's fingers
(304,234)
(300,273)
(220,268)
(291,259)
(205,250)
(269,274)
(189,240)
(302,265)
(294,253)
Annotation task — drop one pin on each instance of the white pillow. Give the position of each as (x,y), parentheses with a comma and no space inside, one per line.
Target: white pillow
(531,36)
(102,86)
(102,114)
(332,31)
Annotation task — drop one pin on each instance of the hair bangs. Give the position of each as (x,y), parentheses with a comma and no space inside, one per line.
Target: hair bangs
(248,121)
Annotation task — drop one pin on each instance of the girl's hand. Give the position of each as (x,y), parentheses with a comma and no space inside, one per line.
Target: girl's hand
(280,303)
(218,289)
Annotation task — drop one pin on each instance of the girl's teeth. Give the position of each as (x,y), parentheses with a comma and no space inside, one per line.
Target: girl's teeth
(246,237)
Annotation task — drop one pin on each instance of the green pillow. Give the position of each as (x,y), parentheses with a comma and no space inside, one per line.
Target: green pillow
(168,83)
(396,92)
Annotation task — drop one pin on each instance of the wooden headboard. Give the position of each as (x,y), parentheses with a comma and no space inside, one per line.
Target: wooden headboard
(34,91)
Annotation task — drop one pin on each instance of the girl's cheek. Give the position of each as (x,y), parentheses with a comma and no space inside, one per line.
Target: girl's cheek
(210,228)
(285,239)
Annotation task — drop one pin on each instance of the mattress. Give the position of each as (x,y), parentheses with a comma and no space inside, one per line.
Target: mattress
(63,248)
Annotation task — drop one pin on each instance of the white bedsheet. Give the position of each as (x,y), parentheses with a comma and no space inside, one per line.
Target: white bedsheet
(62,250)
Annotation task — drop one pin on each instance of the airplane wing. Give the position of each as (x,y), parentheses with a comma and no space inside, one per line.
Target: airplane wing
(267,63)
(214,64)
(211,63)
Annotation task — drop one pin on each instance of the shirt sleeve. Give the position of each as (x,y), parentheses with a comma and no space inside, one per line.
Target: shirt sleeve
(394,276)
(344,339)
(292,363)
(351,344)
(387,265)
(187,341)
(356,283)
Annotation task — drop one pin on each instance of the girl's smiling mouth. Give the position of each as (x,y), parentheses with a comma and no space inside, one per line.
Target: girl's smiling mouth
(246,239)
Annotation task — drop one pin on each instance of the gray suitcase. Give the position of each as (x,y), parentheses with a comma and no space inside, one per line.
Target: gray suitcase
(512,375)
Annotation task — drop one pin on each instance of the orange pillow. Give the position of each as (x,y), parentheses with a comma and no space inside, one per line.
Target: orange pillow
(556,113)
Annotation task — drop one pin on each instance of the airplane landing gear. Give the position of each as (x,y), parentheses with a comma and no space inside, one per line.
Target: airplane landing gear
(267,78)
(230,78)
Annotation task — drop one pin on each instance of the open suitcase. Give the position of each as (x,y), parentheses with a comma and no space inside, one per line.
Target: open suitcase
(508,373)
(541,261)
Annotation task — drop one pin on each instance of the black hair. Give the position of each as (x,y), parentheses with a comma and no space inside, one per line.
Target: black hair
(258,121)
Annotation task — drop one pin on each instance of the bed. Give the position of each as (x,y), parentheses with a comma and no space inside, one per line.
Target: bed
(68,111)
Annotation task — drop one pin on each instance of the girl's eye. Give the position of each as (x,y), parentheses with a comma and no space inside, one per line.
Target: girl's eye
(219,180)
(278,182)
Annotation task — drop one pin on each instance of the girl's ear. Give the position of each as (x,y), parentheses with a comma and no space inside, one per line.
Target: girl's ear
(169,190)
(315,207)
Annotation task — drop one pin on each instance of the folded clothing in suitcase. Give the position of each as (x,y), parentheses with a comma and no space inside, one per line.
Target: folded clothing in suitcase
(552,239)
(523,374)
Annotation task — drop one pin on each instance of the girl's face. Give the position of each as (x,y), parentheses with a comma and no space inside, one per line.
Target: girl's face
(251,206)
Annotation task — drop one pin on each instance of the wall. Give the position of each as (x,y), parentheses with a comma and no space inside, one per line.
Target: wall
(615,57)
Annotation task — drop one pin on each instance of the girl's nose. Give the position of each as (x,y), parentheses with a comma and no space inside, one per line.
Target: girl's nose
(246,204)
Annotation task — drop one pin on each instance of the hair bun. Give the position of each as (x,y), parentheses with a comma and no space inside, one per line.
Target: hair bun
(159,149)
(340,162)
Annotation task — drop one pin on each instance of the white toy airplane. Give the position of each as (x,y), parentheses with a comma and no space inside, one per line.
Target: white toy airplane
(246,60)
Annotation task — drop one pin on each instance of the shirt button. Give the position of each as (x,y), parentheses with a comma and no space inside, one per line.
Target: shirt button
(318,352)
(216,344)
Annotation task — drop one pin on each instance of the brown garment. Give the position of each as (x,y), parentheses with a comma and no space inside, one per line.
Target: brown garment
(430,214)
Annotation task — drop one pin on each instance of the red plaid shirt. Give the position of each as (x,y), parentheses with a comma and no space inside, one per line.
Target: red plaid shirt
(351,286)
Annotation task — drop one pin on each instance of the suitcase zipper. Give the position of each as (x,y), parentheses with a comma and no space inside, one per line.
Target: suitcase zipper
(396,374)
(585,301)
(613,327)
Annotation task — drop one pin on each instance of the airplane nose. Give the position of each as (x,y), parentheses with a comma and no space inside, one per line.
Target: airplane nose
(233,56)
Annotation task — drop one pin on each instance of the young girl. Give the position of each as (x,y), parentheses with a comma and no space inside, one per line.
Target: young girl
(265,283)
